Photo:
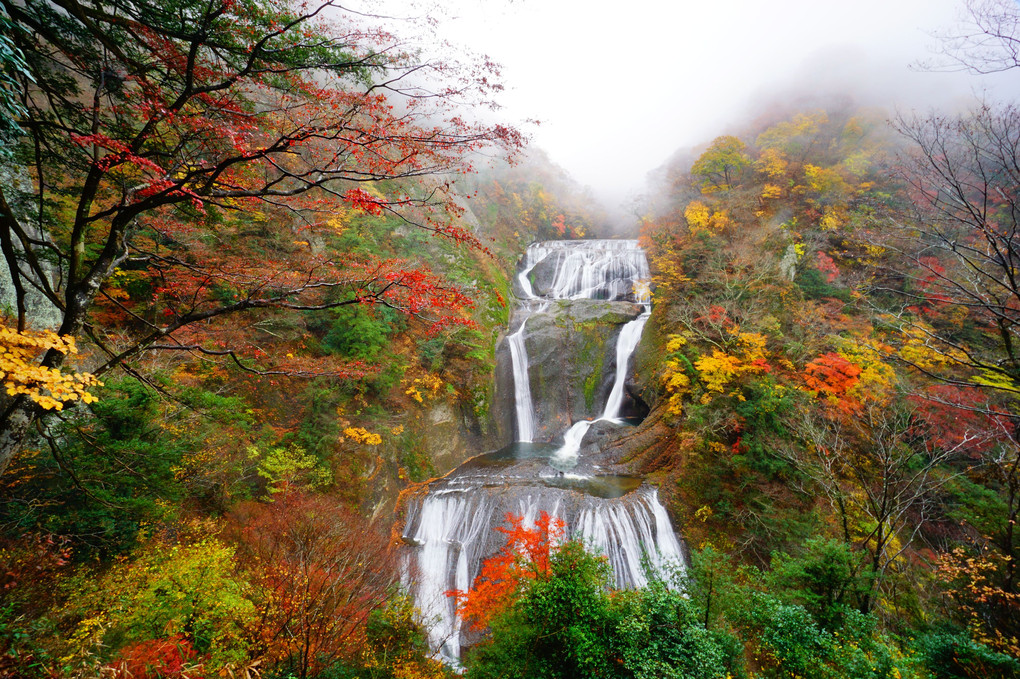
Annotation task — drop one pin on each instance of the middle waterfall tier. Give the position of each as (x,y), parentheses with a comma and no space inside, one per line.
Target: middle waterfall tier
(584,304)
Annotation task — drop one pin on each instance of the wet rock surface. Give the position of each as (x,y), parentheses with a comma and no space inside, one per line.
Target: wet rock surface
(572,355)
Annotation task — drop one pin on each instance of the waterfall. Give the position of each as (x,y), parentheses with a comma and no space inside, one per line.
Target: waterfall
(625,346)
(449,527)
(522,387)
(452,533)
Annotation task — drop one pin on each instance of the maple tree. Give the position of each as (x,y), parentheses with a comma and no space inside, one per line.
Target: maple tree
(525,556)
(317,571)
(163,142)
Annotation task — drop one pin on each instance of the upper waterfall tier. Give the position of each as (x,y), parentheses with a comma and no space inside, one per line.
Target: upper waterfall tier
(589,269)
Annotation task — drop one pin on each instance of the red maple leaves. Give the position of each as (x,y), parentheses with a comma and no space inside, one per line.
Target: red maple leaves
(525,556)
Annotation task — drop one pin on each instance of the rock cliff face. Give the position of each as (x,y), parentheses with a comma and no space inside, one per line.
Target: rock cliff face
(572,363)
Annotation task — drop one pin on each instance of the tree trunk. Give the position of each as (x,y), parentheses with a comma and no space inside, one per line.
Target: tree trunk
(14,425)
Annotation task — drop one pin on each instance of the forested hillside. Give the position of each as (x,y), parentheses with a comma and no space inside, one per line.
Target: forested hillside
(833,374)
(259,262)
(249,296)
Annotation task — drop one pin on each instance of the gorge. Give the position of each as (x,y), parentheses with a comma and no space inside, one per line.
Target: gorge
(583,305)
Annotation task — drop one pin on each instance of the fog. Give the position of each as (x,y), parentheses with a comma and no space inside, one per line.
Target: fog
(619,87)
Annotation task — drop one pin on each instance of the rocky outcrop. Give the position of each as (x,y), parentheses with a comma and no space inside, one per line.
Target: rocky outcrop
(572,357)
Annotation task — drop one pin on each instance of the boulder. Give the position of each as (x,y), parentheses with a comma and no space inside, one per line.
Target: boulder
(572,360)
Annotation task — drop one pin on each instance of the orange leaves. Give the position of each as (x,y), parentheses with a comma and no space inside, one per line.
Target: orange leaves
(832,376)
(316,571)
(170,657)
(525,556)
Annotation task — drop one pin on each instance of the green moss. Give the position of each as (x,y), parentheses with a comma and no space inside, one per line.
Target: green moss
(590,356)
(414,456)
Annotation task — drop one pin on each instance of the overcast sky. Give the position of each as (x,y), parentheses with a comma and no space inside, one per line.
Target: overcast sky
(619,86)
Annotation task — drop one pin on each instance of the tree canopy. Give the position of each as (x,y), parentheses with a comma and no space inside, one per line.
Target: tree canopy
(162,142)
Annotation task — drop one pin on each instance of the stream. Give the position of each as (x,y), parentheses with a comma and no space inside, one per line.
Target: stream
(563,286)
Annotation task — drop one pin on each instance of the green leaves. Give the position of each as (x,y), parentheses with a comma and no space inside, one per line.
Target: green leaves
(570,624)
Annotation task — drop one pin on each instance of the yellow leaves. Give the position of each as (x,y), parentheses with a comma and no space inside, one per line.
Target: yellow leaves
(703,514)
(834,217)
(429,383)
(674,380)
(770,191)
(670,276)
(362,435)
(720,368)
(792,135)
(49,387)
(698,215)
(701,218)
(752,345)
(824,180)
(677,385)
(397,430)
(996,380)
(916,350)
(877,378)
(772,164)
(339,220)
(872,251)
(675,342)
(717,370)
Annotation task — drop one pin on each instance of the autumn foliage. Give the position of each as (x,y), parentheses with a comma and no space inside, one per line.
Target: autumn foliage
(525,556)
(832,376)
(169,658)
(22,374)
(211,132)
(317,572)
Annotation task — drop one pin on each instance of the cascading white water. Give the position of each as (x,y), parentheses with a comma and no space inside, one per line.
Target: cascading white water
(522,388)
(451,527)
(452,531)
(594,269)
(625,346)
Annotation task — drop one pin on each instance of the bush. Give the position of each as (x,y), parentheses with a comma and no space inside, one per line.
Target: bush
(949,655)
(361,331)
(570,624)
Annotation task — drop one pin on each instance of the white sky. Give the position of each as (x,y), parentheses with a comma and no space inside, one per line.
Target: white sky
(619,86)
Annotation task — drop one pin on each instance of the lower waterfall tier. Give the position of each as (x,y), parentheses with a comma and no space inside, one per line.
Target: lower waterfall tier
(451,528)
